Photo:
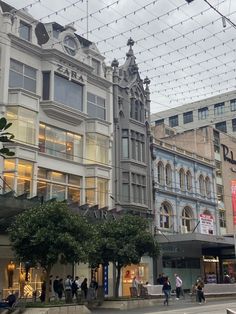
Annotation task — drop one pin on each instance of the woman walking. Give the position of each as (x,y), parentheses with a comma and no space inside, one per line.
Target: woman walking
(200,293)
(166,288)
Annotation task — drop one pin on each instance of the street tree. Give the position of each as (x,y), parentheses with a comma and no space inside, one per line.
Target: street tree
(123,242)
(5,137)
(50,233)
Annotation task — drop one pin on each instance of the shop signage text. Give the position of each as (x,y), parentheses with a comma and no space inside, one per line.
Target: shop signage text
(70,73)
(228,154)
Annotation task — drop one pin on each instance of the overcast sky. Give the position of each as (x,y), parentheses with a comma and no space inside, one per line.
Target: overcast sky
(183,48)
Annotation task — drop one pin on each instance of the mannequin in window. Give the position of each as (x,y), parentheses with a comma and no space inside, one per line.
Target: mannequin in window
(10,272)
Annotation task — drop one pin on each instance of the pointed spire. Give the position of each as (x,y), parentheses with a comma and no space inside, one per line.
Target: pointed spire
(130,43)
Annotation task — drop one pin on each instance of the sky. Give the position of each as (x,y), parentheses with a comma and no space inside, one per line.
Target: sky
(184,49)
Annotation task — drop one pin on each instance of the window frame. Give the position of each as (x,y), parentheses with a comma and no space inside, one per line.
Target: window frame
(203,113)
(188,117)
(96,106)
(174,121)
(25,25)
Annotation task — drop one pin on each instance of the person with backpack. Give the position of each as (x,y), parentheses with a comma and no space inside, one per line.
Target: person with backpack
(166,288)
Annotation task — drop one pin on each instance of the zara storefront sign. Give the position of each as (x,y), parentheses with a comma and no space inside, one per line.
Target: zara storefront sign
(206,224)
(71,74)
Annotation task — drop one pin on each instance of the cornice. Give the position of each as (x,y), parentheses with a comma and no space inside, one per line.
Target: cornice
(99,81)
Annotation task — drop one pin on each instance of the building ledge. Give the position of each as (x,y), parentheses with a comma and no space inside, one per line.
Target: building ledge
(63,113)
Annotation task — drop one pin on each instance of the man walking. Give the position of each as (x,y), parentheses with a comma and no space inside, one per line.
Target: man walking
(178,285)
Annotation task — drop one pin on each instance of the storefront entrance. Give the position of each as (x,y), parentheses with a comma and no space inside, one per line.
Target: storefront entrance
(139,271)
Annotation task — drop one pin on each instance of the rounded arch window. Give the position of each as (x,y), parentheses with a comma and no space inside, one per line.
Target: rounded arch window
(70,45)
(160,173)
(165,216)
(168,175)
(187,218)
(182,179)
(189,180)
(201,185)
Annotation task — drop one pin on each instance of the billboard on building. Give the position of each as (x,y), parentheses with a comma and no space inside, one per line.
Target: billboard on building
(233,193)
(206,224)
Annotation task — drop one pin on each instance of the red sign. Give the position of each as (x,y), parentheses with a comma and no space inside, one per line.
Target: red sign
(233,193)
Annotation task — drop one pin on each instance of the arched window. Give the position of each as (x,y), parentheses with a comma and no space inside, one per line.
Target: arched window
(189,181)
(136,112)
(168,175)
(182,179)
(160,173)
(201,185)
(165,216)
(187,218)
(208,187)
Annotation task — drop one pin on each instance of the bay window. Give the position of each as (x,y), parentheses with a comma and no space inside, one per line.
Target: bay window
(23,124)
(96,191)
(97,148)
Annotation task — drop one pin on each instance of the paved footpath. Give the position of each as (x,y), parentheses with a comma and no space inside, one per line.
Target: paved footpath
(180,307)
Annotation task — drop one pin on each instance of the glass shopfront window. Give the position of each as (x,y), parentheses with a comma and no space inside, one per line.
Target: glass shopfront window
(24,123)
(97,148)
(59,143)
(54,184)
(140,271)
(68,92)
(18,176)
(97,191)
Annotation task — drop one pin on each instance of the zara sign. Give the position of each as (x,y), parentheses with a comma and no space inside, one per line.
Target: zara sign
(70,73)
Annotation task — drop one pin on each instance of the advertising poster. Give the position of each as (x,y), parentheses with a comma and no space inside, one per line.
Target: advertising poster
(233,193)
(206,224)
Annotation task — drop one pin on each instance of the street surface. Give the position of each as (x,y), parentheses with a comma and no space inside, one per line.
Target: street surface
(180,307)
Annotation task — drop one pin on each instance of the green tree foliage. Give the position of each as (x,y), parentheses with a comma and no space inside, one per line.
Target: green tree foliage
(51,233)
(5,137)
(124,242)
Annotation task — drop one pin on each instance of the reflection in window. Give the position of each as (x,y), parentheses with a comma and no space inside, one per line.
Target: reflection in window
(186,219)
(54,184)
(165,216)
(23,124)
(59,143)
(96,106)
(18,176)
(68,92)
(22,76)
(97,148)
(96,191)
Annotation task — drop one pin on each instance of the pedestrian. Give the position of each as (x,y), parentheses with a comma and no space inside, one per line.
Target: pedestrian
(160,279)
(60,289)
(84,287)
(200,292)
(94,286)
(75,286)
(43,291)
(55,286)
(68,289)
(178,286)
(166,288)
(135,286)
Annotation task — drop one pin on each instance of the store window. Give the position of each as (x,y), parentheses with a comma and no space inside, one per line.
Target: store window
(24,123)
(25,31)
(182,179)
(187,218)
(165,216)
(168,175)
(68,92)
(189,180)
(96,191)
(54,184)
(22,76)
(160,173)
(140,271)
(59,143)
(18,176)
(96,106)
(97,148)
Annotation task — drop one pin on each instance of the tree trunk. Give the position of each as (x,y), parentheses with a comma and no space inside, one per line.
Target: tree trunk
(118,267)
(47,279)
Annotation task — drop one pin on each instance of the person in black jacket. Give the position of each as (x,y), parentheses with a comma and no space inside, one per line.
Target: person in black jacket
(166,288)
(84,287)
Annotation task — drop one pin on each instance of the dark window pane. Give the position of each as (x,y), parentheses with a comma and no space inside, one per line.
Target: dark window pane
(46,85)
(24,31)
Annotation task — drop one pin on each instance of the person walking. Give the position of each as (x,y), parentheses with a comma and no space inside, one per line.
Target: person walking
(60,289)
(84,287)
(166,288)
(200,292)
(75,287)
(178,286)
(55,286)
(68,289)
